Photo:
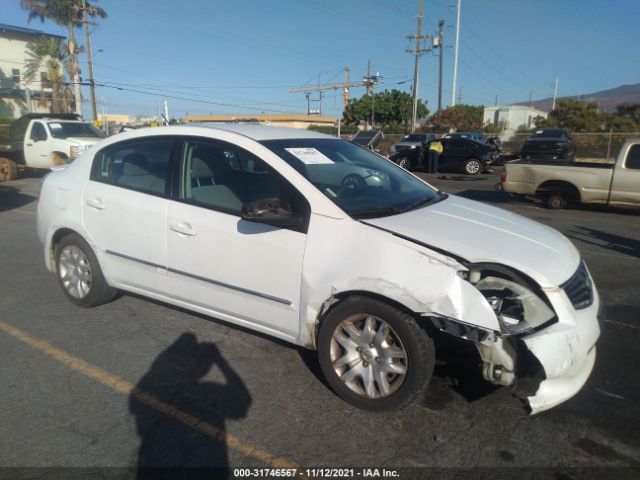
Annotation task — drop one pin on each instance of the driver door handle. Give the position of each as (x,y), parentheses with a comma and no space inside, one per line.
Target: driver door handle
(96,203)
(184,228)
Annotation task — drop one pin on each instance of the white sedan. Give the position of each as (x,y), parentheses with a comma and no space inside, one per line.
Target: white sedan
(327,245)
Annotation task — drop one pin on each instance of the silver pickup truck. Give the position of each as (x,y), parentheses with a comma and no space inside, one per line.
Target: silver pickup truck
(559,184)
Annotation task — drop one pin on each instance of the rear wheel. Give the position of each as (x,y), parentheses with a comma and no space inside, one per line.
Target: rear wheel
(79,274)
(556,201)
(8,169)
(374,355)
(472,166)
(405,163)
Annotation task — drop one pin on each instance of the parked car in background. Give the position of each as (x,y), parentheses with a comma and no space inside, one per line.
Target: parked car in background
(327,245)
(460,155)
(549,143)
(42,141)
(412,141)
(465,155)
(559,184)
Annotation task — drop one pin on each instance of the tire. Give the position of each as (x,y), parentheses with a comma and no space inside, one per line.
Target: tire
(58,159)
(472,166)
(556,201)
(8,170)
(79,274)
(401,360)
(405,163)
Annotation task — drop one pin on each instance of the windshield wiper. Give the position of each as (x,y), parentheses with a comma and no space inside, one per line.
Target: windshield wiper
(425,201)
(374,212)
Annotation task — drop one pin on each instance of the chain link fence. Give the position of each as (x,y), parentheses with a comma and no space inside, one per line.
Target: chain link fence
(589,146)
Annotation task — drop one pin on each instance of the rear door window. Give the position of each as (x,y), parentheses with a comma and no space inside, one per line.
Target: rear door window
(633,158)
(141,165)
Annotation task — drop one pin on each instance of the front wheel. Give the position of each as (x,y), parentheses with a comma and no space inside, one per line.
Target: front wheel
(8,170)
(79,274)
(374,355)
(472,166)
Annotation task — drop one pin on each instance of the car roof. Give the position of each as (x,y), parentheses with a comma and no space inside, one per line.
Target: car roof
(263,132)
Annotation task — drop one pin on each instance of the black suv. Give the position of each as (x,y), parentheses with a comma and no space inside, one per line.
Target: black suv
(458,155)
(550,144)
(465,155)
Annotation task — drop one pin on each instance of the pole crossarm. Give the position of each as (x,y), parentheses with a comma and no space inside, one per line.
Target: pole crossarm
(328,86)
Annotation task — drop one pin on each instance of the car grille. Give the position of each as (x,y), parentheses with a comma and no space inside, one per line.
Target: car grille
(579,288)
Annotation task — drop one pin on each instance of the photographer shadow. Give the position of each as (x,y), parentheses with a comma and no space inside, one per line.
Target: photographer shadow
(172,395)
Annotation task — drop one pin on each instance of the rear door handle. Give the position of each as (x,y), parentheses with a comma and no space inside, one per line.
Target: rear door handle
(184,228)
(96,203)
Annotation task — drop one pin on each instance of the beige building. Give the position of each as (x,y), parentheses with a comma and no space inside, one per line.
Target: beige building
(17,96)
(292,120)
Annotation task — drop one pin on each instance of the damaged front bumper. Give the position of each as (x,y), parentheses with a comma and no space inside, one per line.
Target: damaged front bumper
(547,365)
(566,351)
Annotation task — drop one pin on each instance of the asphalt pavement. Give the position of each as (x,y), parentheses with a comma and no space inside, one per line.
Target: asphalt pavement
(109,391)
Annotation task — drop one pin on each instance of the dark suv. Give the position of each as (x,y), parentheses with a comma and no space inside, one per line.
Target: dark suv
(458,155)
(464,155)
(550,144)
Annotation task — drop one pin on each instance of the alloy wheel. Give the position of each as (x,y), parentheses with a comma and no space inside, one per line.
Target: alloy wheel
(368,356)
(75,271)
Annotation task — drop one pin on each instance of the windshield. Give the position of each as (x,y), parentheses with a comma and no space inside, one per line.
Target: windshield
(360,182)
(414,138)
(73,129)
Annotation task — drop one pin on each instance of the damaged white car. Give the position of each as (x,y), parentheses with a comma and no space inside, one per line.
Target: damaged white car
(327,245)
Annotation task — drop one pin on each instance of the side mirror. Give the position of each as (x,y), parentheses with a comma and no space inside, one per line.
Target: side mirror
(271,211)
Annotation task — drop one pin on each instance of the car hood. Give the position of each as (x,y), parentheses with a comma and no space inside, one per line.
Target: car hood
(408,144)
(481,233)
(83,140)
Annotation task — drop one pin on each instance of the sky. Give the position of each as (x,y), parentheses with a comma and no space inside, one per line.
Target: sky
(243,56)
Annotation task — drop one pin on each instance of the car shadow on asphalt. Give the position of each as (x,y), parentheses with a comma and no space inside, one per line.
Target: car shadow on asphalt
(180,417)
(608,241)
(12,198)
(486,196)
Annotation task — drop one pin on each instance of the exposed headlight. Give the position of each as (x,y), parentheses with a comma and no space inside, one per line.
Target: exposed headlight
(518,307)
(413,146)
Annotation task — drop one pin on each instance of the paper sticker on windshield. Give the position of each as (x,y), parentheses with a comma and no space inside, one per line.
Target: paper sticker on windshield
(55,125)
(309,156)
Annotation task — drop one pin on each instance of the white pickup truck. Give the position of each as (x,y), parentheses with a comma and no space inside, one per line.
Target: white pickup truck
(42,141)
(559,184)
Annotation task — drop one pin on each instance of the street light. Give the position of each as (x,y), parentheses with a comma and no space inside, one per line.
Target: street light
(370,81)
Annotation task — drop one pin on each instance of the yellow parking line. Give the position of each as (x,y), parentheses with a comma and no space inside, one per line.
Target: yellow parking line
(127,388)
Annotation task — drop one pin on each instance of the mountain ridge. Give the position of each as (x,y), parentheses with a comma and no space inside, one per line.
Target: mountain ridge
(607,100)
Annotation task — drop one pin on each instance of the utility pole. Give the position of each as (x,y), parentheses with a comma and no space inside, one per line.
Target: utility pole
(344,86)
(555,93)
(370,81)
(455,56)
(417,51)
(92,83)
(441,48)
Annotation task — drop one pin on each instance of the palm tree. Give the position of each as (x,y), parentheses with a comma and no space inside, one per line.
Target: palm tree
(49,53)
(70,14)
